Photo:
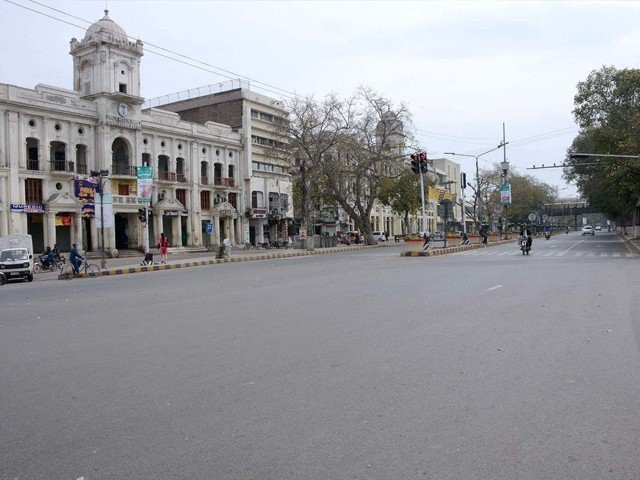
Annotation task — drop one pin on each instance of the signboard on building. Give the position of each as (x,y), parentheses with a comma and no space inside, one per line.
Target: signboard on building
(63,220)
(171,213)
(107,208)
(123,122)
(259,213)
(85,190)
(505,194)
(27,207)
(145,184)
(208,228)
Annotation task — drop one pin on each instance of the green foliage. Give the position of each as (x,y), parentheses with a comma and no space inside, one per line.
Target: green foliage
(402,193)
(221,251)
(607,108)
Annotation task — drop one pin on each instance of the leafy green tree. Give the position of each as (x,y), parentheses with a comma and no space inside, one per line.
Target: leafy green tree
(402,194)
(607,108)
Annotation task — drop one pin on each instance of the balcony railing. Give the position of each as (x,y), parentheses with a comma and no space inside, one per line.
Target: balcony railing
(167,176)
(204,180)
(81,169)
(224,182)
(128,170)
(33,165)
(181,177)
(62,166)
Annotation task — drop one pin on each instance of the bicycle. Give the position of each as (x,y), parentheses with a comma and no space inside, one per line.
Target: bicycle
(88,269)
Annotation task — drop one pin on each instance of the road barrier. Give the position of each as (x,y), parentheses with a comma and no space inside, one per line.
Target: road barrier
(460,248)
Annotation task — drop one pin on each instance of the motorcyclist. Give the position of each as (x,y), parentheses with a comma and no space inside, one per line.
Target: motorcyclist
(56,252)
(46,258)
(526,236)
(566,230)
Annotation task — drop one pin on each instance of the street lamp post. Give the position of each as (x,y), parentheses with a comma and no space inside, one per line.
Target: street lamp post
(475,203)
(101,174)
(446,210)
(505,170)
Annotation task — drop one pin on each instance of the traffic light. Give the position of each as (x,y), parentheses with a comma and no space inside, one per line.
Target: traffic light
(424,167)
(463,179)
(415,163)
(142,215)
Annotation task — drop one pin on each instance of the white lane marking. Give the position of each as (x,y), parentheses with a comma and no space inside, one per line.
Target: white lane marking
(616,254)
(504,253)
(577,243)
(578,254)
(590,254)
(605,254)
(495,287)
(550,254)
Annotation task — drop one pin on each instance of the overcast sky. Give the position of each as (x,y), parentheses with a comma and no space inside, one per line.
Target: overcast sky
(463,68)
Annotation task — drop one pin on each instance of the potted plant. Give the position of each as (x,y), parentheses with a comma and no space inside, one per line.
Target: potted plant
(414,242)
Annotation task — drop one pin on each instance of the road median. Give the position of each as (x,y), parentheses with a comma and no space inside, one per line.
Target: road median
(125,270)
(458,248)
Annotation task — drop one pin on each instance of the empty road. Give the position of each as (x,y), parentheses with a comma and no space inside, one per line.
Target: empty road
(479,365)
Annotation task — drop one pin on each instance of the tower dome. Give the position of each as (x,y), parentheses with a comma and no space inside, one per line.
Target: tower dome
(106,29)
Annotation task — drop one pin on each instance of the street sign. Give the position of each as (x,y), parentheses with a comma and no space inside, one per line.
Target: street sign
(545,218)
(497,209)
(505,194)
(145,184)
(208,227)
(532,217)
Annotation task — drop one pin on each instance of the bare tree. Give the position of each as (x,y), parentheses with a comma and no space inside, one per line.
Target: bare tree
(346,149)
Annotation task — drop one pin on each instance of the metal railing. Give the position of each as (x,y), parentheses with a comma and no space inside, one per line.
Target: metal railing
(128,170)
(81,169)
(181,177)
(204,180)
(167,176)
(62,166)
(196,92)
(33,164)
(224,182)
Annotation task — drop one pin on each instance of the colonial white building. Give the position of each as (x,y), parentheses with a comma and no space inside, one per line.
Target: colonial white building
(51,139)
(267,186)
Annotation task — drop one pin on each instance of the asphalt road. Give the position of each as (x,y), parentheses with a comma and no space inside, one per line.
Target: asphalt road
(481,365)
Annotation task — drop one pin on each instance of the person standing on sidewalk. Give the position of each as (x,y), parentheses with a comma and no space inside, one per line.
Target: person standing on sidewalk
(425,245)
(163,246)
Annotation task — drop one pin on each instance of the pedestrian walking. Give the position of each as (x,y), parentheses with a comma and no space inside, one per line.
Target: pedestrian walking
(483,232)
(465,238)
(163,246)
(426,237)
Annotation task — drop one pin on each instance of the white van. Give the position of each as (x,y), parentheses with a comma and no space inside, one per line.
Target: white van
(379,236)
(16,257)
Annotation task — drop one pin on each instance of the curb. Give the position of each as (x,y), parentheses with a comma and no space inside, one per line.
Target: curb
(213,261)
(632,246)
(459,248)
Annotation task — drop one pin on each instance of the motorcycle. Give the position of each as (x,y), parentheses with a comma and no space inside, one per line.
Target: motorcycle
(524,245)
(547,235)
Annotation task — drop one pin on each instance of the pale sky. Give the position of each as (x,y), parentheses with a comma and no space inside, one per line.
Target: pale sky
(463,68)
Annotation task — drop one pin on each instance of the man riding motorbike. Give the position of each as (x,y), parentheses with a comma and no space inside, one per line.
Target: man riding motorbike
(526,240)
(46,258)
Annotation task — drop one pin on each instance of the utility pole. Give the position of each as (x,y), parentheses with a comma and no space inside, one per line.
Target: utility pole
(504,152)
(420,166)
(101,174)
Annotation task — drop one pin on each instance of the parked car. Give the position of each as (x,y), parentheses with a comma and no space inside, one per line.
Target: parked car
(379,236)
(588,230)
(598,228)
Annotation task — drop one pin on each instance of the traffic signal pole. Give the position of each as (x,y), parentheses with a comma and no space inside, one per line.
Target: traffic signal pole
(424,213)
(145,234)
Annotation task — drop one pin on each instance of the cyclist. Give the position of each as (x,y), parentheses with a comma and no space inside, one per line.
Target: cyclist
(76,259)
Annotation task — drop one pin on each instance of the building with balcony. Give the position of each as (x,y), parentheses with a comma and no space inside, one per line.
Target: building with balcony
(264,179)
(51,139)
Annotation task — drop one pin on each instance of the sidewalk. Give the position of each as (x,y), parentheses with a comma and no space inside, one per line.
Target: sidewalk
(632,244)
(123,266)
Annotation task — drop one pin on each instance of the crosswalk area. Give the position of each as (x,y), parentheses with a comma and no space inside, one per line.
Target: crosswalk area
(548,254)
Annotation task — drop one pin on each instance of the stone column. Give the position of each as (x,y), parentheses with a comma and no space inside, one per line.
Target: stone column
(76,229)
(260,232)
(176,241)
(50,237)
(239,231)
(232,230)
(216,230)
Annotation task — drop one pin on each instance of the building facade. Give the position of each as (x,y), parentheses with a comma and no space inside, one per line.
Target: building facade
(267,185)
(52,139)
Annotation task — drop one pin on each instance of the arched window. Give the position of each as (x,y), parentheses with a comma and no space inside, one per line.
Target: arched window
(180,170)
(163,167)
(146,160)
(231,171)
(274,201)
(58,157)
(217,170)
(33,158)
(257,199)
(120,164)
(204,172)
(81,159)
